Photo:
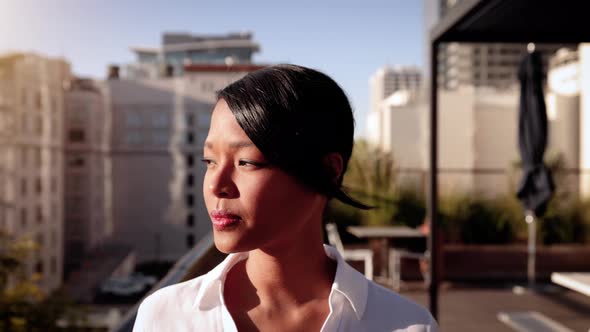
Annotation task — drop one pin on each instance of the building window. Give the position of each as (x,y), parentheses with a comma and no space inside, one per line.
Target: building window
(190,160)
(38,125)
(54,212)
(160,138)
(39,214)
(53,265)
(190,119)
(132,119)
(76,161)
(23,186)
(190,240)
(190,200)
(53,238)
(38,103)
(53,184)
(24,158)
(190,220)
(76,135)
(38,187)
(160,120)
(190,138)
(190,180)
(38,157)
(39,267)
(23,217)
(133,138)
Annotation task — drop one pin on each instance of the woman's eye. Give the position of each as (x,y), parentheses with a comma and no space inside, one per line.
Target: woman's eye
(250,163)
(245,163)
(207,161)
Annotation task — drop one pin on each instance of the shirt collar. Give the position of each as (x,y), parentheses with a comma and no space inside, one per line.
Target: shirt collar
(211,291)
(348,281)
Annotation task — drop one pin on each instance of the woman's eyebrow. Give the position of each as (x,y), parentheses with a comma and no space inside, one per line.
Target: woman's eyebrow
(239,145)
(233,145)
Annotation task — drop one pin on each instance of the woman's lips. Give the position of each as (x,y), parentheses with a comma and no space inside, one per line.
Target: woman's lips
(223,220)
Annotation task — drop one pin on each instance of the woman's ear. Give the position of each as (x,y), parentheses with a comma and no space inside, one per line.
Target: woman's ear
(334,165)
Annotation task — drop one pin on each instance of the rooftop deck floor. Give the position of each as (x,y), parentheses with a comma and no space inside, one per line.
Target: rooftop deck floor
(471,307)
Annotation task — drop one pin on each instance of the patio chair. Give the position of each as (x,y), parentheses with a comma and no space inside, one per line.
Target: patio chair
(365,255)
(395,259)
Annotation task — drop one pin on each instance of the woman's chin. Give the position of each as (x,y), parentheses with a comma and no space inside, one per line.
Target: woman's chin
(226,243)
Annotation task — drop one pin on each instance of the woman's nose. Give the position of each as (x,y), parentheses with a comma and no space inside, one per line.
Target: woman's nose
(221,183)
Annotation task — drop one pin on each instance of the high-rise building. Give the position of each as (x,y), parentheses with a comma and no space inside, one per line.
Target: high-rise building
(180,49)
(87,167)
(31,153)
(477,64)
(388,80)
(159,127)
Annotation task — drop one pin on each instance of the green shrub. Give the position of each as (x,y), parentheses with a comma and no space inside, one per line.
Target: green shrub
(469,219)
(464,218)
(371,178)
(564,223)
(410,208)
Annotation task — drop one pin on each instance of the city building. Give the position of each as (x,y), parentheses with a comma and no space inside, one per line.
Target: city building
(181,49)
(388,80)
(87,166)
(158,130)
(478,138)
(31,158)
(478,64)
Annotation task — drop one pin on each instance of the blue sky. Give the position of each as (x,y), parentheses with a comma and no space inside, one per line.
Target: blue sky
(348,40)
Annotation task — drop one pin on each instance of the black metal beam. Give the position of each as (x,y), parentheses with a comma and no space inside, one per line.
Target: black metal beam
(458,14)
(514,21)
(516,37)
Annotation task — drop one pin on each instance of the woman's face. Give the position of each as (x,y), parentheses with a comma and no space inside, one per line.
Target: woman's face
(252,204)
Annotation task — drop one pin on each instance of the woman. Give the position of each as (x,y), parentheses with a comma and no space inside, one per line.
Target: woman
(278,146)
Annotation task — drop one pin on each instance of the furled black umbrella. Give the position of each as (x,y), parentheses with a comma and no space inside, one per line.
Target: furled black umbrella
(536,186)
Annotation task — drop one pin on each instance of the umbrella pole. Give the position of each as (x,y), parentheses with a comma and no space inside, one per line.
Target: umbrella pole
(530,220)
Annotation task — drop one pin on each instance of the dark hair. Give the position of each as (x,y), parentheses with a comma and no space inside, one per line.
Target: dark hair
(296,116)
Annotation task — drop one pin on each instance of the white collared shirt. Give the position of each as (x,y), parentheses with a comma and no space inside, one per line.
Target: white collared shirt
(356,304)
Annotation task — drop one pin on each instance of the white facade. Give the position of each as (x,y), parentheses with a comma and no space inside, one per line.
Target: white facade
(387,80)
(31,165)
(569,105)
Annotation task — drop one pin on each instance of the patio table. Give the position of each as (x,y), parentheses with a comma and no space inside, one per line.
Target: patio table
(379,237)
(577,281)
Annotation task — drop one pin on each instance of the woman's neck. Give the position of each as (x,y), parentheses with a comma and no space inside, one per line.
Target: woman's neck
(293,275)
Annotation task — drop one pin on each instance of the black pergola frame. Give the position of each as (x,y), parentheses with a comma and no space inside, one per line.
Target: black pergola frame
(491,21)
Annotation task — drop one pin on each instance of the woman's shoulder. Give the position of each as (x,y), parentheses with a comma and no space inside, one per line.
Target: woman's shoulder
(383,303)
(177,295)
(171,306)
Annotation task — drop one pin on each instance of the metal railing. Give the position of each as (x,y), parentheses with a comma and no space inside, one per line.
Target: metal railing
(178,273)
